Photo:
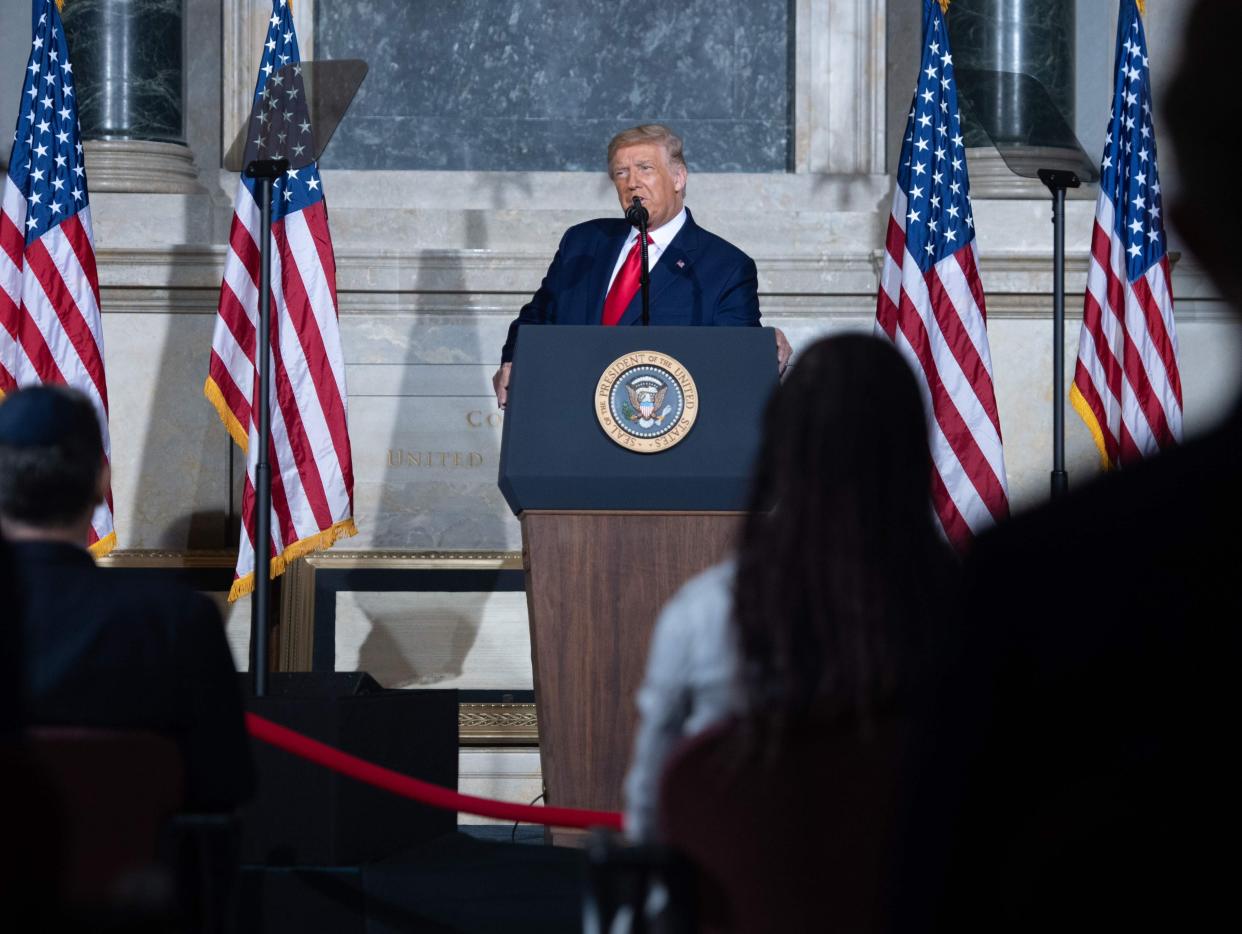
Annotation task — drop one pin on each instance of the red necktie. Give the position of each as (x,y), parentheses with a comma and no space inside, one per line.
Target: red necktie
(625,286)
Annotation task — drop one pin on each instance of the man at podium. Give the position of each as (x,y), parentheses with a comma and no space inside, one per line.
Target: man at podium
(697,278)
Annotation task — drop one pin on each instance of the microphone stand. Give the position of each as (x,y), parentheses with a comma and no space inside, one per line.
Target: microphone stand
(637,215)
(646,277)
(1057,180)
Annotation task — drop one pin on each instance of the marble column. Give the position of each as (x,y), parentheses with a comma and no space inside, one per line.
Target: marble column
(839,98)
(127,56)
(1034,37)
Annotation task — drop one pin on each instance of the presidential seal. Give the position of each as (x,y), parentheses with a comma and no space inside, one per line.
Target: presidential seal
(646,401)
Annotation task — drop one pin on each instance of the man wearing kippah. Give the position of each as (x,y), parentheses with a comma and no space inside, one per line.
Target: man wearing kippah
(98,650)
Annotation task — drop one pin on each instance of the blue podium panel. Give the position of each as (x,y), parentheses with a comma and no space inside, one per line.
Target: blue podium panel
(556,454)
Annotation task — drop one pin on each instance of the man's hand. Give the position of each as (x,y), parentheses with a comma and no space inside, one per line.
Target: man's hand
(500,381)
(783,351)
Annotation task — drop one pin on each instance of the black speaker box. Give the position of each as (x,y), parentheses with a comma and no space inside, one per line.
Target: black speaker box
(306,815)
(300,901)
(318,684)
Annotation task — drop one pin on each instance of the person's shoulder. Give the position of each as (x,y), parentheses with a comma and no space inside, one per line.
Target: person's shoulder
(1162,499)
(695,622)
(595,229)
(707,595)
(715,244)
(160,601)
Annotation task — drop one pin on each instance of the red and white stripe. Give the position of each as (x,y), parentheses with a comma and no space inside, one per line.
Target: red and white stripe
(1126,383)
(50,325)
(938,321)
(312,468)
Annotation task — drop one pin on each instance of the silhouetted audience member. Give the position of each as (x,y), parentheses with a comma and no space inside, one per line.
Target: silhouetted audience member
(98,650)
(1083,771)
(837,600)
(30,855)
(10,642)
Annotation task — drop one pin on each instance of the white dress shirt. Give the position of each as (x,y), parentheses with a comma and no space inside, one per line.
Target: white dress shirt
(691,683)
(662,237)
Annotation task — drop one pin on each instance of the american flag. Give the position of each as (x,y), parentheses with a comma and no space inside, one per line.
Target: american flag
(312,468)
(49,287)
(1126,383)
(930,303)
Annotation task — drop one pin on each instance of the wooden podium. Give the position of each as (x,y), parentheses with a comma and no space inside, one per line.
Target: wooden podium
(610,534)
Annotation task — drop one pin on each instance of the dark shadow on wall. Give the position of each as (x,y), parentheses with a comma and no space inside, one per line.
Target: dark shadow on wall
(439,485)
(435,654)
(182,498)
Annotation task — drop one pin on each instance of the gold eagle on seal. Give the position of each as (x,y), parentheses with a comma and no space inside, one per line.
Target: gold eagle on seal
(646,396)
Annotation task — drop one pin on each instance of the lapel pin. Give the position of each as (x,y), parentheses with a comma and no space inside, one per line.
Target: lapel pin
(681,264)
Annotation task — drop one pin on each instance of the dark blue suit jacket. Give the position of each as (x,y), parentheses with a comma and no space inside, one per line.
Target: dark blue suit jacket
(700,279)
(103,650)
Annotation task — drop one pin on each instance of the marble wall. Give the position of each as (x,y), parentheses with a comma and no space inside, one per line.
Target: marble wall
(14,53)
(1095,26)
(539,85)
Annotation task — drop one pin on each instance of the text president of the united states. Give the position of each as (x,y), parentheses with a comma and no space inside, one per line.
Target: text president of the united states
(697,278)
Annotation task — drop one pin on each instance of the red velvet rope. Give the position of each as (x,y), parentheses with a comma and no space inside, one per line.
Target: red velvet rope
(437,797)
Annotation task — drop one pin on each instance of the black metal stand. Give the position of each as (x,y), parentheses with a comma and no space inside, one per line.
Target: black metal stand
(1057,181)
(645,281)
(638,217)
(264,172)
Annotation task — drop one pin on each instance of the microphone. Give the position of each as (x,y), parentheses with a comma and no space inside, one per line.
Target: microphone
(636,214)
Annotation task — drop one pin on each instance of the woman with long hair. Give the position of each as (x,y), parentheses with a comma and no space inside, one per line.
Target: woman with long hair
(832,607)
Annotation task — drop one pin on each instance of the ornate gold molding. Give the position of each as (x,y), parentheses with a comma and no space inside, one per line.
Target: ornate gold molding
(297,617)
(497,725)
(416,560)
(157,558)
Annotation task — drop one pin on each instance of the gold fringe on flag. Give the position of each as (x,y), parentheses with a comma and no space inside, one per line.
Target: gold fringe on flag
(244,586)
(303,546)
(103,546)
(60,5)
(944,5)
(235,429)
(1142,5)
(1083,408)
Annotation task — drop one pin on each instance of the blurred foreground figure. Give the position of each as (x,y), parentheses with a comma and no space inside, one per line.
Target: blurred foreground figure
(1081,770)
(98,650)
(833,606)
(810,652)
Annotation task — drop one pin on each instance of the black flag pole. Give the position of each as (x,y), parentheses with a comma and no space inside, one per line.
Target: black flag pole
(317,93)
(646,272)
(264,172)
(1057,182)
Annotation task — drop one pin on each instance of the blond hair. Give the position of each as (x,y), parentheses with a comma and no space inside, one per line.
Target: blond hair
(648,133)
